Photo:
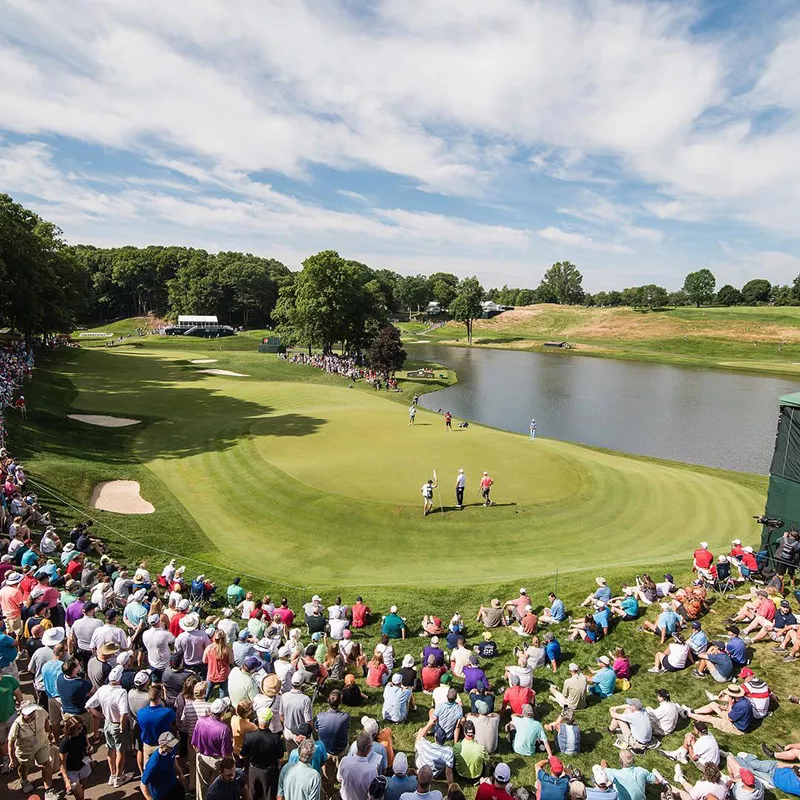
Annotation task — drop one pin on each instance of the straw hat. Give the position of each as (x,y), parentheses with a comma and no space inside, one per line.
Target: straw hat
(189,622)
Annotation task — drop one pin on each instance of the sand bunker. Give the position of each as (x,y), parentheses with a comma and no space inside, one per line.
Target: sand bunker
(104,421)
(203,360)
(226,372)
(121,497)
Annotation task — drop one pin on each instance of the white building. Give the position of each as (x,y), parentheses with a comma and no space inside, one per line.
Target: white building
(192,321)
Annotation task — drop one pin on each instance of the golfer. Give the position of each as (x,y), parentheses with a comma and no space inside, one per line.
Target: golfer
(412,412)
(486,487)
(533,429)
(427,496)
(448,421)
(461,484)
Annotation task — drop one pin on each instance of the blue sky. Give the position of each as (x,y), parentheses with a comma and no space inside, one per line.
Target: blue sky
(639,140)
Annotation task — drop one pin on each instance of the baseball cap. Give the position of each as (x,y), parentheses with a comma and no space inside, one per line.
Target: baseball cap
(696,626)
(183,605)
(251,662)
(635,702)
(604,660)
(397,679)
(315,637)
(154,619)
(393,610)
(400,764)
(746,672)
(141,678)
(264,715)
(115,676)
(556,767)
(748,779)
(599,775)
(573,667)
(217,707)
(244,634)
(446,678)
(469,726)
(28,708)
(297,679)
(167,740)
(285,651)
(502,773)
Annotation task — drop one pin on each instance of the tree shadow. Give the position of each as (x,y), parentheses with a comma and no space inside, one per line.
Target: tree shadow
(177,420)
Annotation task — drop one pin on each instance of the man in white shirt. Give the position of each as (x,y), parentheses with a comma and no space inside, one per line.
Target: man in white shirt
(664,717)
(157,642)
(284,669)
(109,632)
(228,626)
(357,772)
(82,631)
(698,745)
(111,702)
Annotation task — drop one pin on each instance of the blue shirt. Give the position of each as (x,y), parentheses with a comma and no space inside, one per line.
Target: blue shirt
(30,559)
(698,642)
(395,703)
(48,569)
(550,787)
(396,786)
(159,774)
(737,650)
(529,731)
(8,650)
(50,672)
(557,611)
(602,618)
(668,621)
(630,605)
(603,593)
(153,721)
(604,682)
(741,714)
(552,651)
(786,780)
(333,728)
(723,664)
(74,692)
(569,739)
(319,757)
(447,715)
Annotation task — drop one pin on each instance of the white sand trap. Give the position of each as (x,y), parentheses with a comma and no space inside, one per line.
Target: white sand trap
(104,421)
(422,341)
(225,372)
(121,497)
(204,360)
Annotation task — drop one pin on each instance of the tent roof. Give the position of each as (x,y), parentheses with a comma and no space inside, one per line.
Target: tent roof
(791,400)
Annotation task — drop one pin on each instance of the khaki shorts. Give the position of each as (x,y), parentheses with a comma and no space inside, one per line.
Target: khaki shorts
(14,625)
(40,757)
(54,710)
(117,738)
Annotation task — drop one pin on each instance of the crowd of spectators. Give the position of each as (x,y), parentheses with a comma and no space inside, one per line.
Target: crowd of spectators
(347,366)
(16,366)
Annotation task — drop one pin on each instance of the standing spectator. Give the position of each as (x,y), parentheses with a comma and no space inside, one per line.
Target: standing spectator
(218,659)
(212,740)
(299,780)
(333,728)
(74,754)
(154,719)
(262,751)
(162,778)
(157,640)
(356,772)
(29,747)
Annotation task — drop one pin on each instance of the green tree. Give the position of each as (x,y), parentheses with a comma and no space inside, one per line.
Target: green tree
(632,296)
(467,304)
(729,296)
(678,299)
(615,298)
(443,287)
(699,286)
(781,296)
(564,282)
(386,353)
(601,299)
(413,292)
(756,291)
(653,296)
(525,297)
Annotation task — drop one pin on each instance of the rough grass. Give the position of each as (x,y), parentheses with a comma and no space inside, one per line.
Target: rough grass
(204,421)
(762,339)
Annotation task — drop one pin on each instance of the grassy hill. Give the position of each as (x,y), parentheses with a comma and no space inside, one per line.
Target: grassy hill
(762,339)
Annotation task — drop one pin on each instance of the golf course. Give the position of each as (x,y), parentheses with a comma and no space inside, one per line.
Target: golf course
(286,460)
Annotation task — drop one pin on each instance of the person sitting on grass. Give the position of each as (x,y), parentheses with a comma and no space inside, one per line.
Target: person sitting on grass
(586,629)
(633,725)
(471,757)
(526,734)
(698,641)
(394,626)
(710,787)
(631,781)
(735,646)
(551,785)
(434,650)
(432,760)
(528,623)
(534,653)
(497,788)
(774,629)
(690,603)
(432,674)
(445,717)
(621,664)
(515,609)
(568,733)
(664,717)
(604,679)
(603,592)
(674,658)
(574,690)
(481,693)
(491,617)
(646,590)
(666,624)
(460,658)
(555,614)
(521,670)
(487,648)
(784,778)
(432,626)
(625,607)
(517,696)
(397,700)
(699,746)
(473,674)
(351,693)
(732,714)
(552,650)
(487,725)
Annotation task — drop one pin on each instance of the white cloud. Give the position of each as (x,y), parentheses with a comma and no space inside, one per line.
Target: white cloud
(578,241)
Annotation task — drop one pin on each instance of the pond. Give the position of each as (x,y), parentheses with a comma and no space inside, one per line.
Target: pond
(709,417)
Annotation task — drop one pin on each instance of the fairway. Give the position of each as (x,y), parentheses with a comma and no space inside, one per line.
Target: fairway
(291,467)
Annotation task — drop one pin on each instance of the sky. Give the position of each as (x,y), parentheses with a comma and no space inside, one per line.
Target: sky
(639,140)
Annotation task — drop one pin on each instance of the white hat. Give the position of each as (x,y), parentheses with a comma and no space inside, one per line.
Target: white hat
(599,775)
(393,610)
(316,599)
(397,679)
(573,667)
(53,636)
(285,651)
(227,612)
(28,708)
(298,679)
(124,657)
(434,640)
(400,764)
(523,590)
(140,594)
(13,578)
(664,606)
(217,707)
(461,470)
(748,549)
(529,608)
(6,559)
(370,725)
(200,577)
(141,678)
(485,473)
(704,545)
(184,605)
(600,581)
(408,660)
(69,547)
(736,541)
(189,622)
(115,676)
(154,619)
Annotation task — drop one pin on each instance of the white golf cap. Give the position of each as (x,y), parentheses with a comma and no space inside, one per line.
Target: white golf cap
(736,541)
(485,473)
(461,470)
(115,676)
(704,545)
(316,598)
(573,667)
(523,590)
(393,610)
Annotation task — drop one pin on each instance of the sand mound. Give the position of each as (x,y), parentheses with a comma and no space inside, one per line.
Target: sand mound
(226,372)
(120,496)
(104,421)
(203,361)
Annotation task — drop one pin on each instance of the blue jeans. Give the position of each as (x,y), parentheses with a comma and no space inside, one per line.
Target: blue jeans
(222,686)
(762,769)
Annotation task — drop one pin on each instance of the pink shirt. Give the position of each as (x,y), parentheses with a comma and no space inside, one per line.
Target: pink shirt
(11,599)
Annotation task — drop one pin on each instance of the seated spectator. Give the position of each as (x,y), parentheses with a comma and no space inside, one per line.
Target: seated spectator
(555,614)
(710,787)
(785,779)
(621,664)
(603,592)
(433,760)
(470,756)
(698,641)
(377,673)
(497,788)
(394,626)
(646,590)
(552,784)
(397,700)
(460,658)
(359,613)
(487,648)
(699,746)
(664,717)
(481,693)
(402,780)
(515,609)
(487,725)
(473,674)
(666,624)
(521,671)
(552,650)
(535,655)
(444,718)
(735,646)
(603,680)
(528,624)
(491,617)
(516,696)
(526,734)
(432,626)
(633,724)
(760,629)
(585,629)
(627,606)
(674,658)
(574,690)
(756,691)
(351,693)
(733,714)
(568,734)
(432,674)
(702,558)
(434,650)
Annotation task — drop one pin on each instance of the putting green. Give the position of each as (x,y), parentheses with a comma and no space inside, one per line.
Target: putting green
(290,472)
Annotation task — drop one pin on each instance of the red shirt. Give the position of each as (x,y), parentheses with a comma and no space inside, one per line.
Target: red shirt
(703,558)
(375,675)
(529,623)
(737,551)
(486,482)
(518,696)
(432,677)
(488,791)
(766,608)
(749,561)
(360,612)
(74,569)
(174,625)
